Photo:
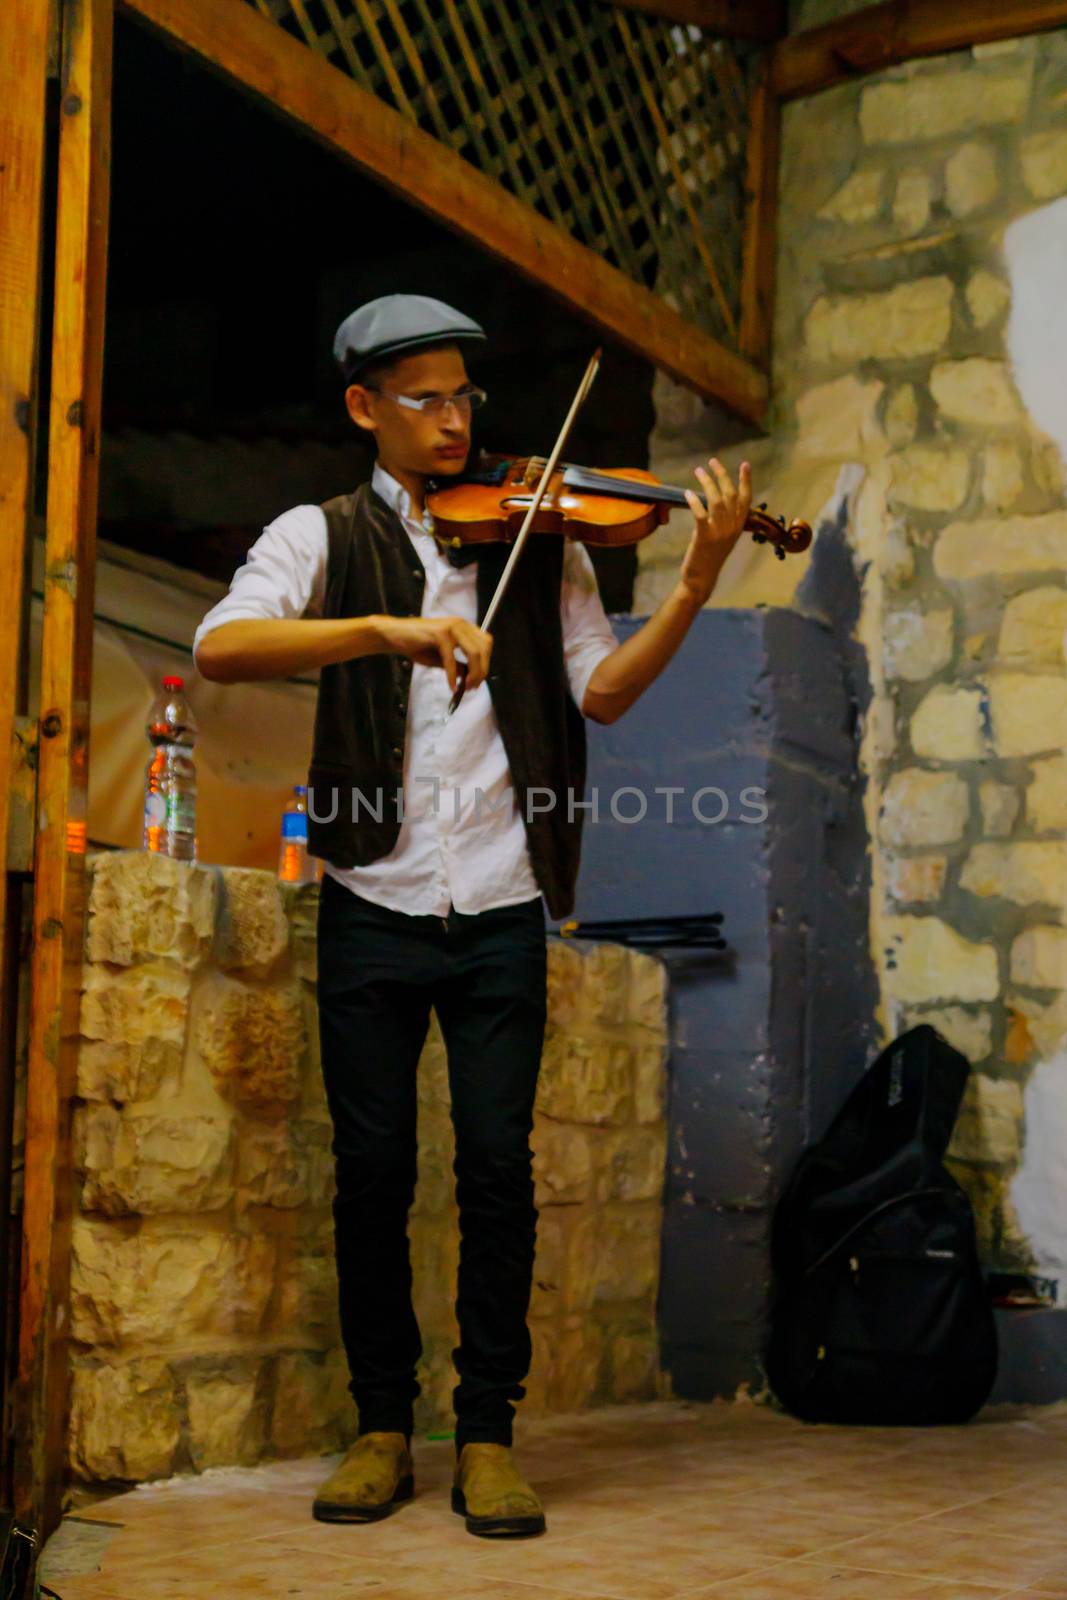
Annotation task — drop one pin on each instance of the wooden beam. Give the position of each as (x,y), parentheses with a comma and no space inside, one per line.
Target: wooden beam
(759,262)
(66,660)
(262,57)
(24,49)
(899,30)
(758,20)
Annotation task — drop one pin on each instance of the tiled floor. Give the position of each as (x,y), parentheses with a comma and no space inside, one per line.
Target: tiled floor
(643,1503)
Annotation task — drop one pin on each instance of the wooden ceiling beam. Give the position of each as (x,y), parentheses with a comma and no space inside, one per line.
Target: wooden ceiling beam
(260,56)
(759,20)
(884,35)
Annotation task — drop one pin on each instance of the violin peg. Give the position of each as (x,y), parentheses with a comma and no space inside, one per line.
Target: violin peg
(759,538)
(779,552)
(763,505)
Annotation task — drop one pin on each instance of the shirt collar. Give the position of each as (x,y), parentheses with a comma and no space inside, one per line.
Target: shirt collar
(395,496)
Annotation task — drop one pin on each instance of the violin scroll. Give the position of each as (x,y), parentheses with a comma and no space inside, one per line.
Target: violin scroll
(787,538)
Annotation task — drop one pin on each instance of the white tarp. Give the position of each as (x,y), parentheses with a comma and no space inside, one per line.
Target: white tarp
(255,739)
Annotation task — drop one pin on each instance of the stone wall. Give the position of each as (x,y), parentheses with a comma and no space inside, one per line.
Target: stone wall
(891,359)
(203,1308)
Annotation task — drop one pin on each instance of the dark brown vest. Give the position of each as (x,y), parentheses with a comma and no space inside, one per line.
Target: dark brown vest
(361,715)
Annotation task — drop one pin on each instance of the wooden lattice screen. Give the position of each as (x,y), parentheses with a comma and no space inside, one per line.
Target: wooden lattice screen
(625,130)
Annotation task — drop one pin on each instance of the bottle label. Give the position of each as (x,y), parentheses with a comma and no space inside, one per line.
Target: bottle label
(294,825)
(181,813)
(155,811)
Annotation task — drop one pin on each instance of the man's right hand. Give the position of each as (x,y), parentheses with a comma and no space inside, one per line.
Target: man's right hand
(433,642)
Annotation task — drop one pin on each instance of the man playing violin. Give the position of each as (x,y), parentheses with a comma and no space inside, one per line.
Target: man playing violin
(443,838)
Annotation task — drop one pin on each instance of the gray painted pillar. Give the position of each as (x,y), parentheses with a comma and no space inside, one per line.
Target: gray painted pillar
(761,1055)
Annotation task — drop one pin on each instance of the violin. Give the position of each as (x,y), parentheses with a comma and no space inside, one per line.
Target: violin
(614,506)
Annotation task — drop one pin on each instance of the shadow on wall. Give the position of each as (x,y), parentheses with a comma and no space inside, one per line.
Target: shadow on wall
(761,701)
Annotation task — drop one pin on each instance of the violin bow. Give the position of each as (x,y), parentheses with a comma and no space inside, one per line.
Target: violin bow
(527,521)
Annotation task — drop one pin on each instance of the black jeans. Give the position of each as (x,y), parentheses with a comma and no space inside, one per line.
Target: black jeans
(380,971)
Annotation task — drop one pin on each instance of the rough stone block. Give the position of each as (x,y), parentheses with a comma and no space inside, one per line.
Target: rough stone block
(948,725)
(142,906)
(1036,1029)
(286,1164)
(566,978)
(313,1410)
(153,1164)
(1002,545)
(969,1032)
(301,903)
(650,1082)
(902,416)
(1034,624)
(1000,805)
(564,1163)
(252,931)
(646,994)
(924,808)
(931,479)
(1039,958)
(227,1413)
(934,106)
(606,977)
(550,1262)
(125,1420)
(1028,712)
(838,420)
(971,180)
(912,319)
(576,1363)
(132,1023)
(160,1286)
(1046,797)
(627,1265)
(1026,872)
(926,960)
(858,200)
(1044,163)
(253,1039)
(916,880)
(586,1080)
(911,202)
(988,297)
(306,1306)
(976,390)
(632,1363)
(632,1164)
(1002,476)
(917,644)
(988,1126)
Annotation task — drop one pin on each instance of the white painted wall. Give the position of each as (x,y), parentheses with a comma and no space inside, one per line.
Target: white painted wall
(1035,248)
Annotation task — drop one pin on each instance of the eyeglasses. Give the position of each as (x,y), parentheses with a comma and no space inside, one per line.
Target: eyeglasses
(433,405)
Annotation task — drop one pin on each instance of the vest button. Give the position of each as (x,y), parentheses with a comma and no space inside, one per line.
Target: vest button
(398,753)
(406,664)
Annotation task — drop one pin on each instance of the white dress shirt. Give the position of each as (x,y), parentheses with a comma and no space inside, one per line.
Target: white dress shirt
(461,842)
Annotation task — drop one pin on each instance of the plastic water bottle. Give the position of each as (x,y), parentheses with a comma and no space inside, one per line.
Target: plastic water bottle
(170,777)
(294,863)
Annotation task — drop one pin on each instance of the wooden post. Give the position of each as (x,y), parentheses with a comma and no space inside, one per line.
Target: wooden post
(761,232)
(66,659)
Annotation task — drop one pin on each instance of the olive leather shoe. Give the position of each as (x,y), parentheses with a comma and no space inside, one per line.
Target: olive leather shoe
(374,1477)
(493,1497)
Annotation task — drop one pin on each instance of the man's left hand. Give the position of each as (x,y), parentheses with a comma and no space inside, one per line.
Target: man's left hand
(717,525)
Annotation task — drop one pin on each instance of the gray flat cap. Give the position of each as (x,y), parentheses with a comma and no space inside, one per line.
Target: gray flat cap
(396,324)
